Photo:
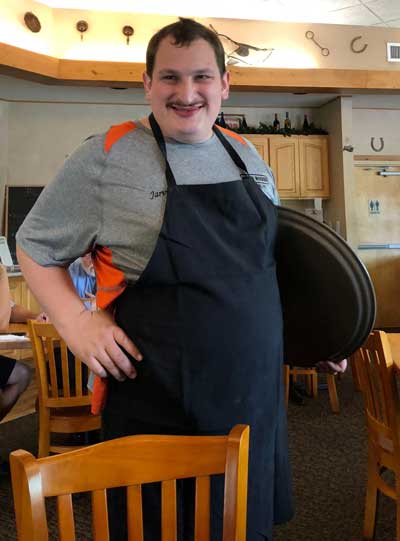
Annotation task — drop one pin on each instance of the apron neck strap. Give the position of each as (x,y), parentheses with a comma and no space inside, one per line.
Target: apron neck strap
(162,146)
(231,151)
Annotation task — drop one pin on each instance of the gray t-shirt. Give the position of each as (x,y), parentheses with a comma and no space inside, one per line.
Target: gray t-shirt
(111,198)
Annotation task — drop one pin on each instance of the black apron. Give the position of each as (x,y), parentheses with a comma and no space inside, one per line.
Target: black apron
(206,315)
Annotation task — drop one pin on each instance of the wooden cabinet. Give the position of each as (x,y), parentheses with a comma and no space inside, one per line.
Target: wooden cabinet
(21,294)
(299,163)
(284,162)
(314,172)
(261,144)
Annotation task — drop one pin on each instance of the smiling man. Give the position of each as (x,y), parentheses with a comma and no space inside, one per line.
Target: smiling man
(188,338)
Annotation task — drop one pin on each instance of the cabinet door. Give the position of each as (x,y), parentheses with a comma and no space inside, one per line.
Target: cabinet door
(260,143)
(284,162)
(314,173)
(16,289)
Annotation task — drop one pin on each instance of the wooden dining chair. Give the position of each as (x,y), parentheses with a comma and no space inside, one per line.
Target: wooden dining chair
(311,383)
(376,371)
(63,397)
(130,462)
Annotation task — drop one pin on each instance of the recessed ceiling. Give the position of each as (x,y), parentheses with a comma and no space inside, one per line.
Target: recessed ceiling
(351,12)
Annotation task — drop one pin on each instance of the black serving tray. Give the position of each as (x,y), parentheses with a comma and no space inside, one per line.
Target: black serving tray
(328,299)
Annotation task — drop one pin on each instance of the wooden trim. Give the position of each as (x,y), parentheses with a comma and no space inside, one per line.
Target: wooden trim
(13,58)
(38,67)
(377,158)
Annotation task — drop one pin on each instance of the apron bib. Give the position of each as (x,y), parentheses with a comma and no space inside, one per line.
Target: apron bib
(206,315)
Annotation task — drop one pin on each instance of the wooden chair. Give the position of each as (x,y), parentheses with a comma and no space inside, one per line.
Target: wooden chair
(130,462)
(62,406)
(311,383)
(376,371)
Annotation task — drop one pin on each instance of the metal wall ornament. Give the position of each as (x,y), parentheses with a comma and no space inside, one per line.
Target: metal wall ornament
(128,31)
(32,22)
(380,148)
(240,50)
(353,48)
(324,50)
(82,27)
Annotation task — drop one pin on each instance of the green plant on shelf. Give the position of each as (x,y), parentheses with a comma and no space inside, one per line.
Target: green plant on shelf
(270,130)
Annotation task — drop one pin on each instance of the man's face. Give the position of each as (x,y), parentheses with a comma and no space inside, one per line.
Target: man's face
(186,90)
(87,264)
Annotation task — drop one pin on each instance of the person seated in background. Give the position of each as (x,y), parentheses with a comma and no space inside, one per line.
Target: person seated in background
(84,279)
(14,376)
(298,392)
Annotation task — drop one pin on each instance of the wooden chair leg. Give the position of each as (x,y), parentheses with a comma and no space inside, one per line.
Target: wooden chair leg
(333,396)
(314,378)
(354,372)
(309,385)
(286,374)
(371,498)
(44,434)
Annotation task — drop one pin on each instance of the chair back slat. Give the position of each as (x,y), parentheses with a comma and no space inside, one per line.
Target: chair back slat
(66,391)
(135,513)
(66,524)
(100,515)
(378,383)
(202,509)
(134,460)
(46,345)
(80,385)
(168,511)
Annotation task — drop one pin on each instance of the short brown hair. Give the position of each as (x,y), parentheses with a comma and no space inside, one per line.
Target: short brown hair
(184,32)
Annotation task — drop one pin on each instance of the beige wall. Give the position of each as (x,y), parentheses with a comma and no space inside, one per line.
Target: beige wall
(46,122)
(377,122)
(104,40)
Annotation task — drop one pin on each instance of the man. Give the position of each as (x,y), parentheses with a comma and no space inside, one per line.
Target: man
(183,242)
(83,277)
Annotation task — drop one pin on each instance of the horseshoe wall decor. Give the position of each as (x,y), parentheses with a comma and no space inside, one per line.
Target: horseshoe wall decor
(374,148)
(362,49)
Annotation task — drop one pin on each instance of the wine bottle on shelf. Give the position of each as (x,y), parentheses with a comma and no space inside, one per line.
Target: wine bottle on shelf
(243,124)
(222,122)
(288,124)
(276,124)
(306,125)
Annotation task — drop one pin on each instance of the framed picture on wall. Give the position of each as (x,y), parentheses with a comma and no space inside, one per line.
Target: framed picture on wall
(232,121)
(18,201)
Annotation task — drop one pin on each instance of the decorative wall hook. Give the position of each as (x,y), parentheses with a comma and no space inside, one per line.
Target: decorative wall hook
(82,27)
(376,149)
(32,22)
(310,35)
(362,49)
(242,50)
(348,148)
(128,31)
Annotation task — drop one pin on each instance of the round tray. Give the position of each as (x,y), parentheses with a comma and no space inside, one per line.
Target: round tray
(328,299)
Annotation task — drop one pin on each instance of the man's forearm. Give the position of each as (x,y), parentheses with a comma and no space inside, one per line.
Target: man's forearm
(53,288)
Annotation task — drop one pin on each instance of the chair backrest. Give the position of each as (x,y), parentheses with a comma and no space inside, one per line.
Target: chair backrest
(377,373)
(62,378)
(130,462)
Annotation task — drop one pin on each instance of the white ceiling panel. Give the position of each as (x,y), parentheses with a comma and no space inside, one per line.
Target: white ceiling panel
(386,10)
(352,12)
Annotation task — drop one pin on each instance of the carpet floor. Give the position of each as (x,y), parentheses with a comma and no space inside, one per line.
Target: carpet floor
(328,454)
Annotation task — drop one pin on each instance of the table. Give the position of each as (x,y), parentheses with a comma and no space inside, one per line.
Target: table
(13,344)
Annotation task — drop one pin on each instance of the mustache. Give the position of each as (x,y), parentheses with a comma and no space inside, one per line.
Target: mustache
(182,104)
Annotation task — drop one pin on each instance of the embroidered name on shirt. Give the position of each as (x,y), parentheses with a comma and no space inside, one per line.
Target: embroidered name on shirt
(161,193)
